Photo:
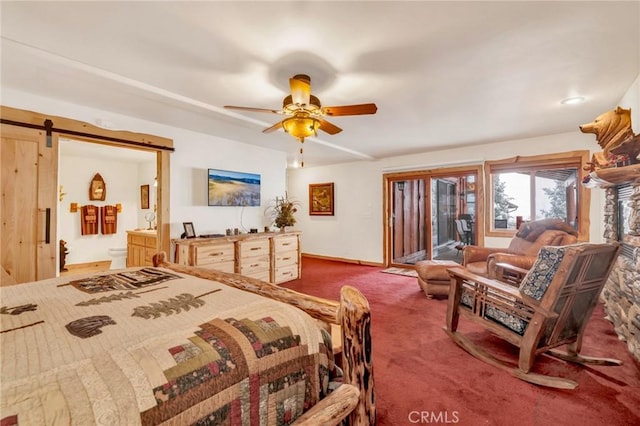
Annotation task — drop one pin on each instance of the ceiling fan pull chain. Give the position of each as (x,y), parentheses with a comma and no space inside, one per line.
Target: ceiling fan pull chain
(301,157)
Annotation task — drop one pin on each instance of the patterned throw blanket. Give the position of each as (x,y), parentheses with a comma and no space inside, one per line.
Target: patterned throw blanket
(147,346)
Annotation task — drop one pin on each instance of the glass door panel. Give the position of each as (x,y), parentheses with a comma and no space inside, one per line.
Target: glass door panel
(431,216)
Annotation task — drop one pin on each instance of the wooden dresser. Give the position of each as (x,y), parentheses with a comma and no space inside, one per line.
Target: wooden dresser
(268,256)
(141,246)
(285,251)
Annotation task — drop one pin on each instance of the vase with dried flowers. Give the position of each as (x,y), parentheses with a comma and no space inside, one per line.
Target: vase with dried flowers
(281,211)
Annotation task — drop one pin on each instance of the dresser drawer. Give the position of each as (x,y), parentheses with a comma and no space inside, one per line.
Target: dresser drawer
(288,243)
(136,239)
(214,253)
(228,266)
(260,275)
(254,264)
(285,273)
(253,248)
(285,258)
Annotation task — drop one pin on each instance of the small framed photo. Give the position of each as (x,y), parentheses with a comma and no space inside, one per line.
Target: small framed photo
(189,231)
(144,196)
(321,199)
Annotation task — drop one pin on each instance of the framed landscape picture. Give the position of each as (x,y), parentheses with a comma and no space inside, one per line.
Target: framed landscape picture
(227,188)
(321,199)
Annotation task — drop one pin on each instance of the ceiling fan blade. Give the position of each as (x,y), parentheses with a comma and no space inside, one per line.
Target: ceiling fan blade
(330,128)
(350,109)
(300,89)
(273,128)
(241,108)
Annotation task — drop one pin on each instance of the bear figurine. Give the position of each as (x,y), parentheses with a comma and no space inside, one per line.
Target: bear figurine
(615,136)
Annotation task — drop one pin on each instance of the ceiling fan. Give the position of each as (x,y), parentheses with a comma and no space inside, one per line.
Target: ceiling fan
(305,112)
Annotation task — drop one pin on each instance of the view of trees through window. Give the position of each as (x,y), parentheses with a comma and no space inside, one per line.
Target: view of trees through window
(533,195)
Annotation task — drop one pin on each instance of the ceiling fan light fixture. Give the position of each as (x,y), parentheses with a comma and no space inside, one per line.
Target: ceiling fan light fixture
(301,127)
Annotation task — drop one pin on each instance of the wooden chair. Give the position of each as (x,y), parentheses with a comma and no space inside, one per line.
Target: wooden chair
(463,231)
(550,308)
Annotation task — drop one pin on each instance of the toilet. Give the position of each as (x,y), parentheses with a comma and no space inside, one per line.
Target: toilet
(118,257)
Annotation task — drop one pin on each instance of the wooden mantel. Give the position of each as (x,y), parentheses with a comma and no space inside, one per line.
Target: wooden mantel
(605,178)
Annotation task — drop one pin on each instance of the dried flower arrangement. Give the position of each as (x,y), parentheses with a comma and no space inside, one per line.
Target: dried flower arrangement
(282,211)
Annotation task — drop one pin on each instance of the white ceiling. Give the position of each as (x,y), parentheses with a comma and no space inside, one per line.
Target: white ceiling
(443,74)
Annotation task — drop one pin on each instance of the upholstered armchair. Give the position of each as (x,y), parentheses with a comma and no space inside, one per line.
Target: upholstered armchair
(522,250)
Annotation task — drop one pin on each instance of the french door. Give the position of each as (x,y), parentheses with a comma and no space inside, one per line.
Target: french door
(421,210)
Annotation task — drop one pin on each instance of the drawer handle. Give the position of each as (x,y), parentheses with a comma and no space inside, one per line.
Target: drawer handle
(220,253)
(287,273)
(255,248)
(286,244)
(286,258)
(254,265)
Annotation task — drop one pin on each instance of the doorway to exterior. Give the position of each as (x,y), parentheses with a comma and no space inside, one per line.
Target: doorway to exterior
(431,214)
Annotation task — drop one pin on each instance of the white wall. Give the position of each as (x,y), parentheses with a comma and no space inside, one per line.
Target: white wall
(358,192)
(189,164)
(355,232)
(194,154)
(631,99)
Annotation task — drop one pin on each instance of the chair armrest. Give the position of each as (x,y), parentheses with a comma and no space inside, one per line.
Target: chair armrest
(510,274)
(478,254)
(512,268)
(332,409)
(517,260)
(498,286)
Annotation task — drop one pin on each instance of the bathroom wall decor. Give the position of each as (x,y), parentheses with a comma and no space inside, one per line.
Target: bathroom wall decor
(144,197)
(98,188)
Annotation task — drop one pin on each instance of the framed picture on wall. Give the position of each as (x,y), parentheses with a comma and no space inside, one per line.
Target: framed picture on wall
(321,199)
(144,196)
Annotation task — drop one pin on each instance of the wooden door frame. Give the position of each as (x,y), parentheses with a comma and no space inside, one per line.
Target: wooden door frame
(84,132)
(428,174)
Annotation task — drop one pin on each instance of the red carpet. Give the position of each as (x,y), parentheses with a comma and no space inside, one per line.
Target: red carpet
(422,377)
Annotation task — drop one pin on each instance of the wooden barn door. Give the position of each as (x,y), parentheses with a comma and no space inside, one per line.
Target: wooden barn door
(28,212)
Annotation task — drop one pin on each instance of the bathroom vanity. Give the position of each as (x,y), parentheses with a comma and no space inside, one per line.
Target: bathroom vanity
(141,246)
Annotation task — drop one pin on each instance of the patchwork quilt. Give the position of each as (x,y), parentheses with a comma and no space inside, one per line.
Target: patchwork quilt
(150,346)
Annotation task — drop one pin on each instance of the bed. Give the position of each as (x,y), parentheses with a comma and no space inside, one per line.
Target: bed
(173,344)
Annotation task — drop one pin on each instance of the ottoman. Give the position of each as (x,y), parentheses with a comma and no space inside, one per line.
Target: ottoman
(433,277)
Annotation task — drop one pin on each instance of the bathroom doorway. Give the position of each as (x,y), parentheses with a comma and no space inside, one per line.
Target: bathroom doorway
(125,172)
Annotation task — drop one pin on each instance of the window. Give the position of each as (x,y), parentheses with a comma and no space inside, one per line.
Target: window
(523,189)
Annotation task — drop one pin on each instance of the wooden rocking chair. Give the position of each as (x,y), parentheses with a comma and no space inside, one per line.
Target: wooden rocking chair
(550,308)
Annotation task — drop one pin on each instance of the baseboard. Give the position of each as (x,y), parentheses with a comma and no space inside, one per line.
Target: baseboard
(342,259)
(80,268)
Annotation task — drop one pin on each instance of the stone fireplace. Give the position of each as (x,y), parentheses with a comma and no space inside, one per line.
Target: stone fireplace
(621,294)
